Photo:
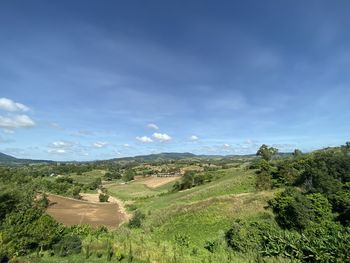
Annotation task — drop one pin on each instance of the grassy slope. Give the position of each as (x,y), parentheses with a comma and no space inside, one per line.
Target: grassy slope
(135,189)
(201,212)
(87,177)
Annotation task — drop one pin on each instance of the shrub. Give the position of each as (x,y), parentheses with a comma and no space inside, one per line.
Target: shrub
(129,175)
(76,192)
(103,197)
(136,220)
(68,245)
(295,210)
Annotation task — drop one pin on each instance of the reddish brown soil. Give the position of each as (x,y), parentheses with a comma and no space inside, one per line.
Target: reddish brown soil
(72,212)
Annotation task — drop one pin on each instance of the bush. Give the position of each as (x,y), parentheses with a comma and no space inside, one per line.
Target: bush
(295,210)
(76,192)
(109,176)
(264,178)
(103,197)
(325,242)
(25,231)
(129,175)
(68,245)
(94,184)
(136,220)
(43,201)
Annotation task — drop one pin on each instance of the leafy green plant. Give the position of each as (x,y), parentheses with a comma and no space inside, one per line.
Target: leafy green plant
(136,220)
(68,245)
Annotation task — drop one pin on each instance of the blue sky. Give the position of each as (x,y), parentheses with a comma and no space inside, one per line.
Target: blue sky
(85,80)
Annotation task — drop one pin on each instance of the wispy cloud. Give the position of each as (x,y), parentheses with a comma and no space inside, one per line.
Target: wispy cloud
(61,147)
(100,144)
(153,126)
(144,139)
(194,138)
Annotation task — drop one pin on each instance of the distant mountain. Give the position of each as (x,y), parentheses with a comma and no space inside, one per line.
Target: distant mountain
(4,158)
(157,157)
(186,155)
(10,160)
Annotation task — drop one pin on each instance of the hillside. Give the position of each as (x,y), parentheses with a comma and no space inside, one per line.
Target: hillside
(4,158)
(10,160)
(233,210)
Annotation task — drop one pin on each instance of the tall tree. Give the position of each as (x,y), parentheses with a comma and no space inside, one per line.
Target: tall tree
(266,152)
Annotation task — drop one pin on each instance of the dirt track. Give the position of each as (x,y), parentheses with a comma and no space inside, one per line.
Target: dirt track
(72,212)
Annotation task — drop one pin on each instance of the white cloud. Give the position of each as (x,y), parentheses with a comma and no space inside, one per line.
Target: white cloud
(10,105)
(100,144)
(57,151)
(194,138)
(61,144)
(16,121)
(153,126)
(226,145)
(144,139)
(162,136)
(126,145)
(65,147)
(60,147)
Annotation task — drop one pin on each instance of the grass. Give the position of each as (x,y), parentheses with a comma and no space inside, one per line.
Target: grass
(134,190)
(201,214)
(88,177)
(230,181)
(205,220)
(79,258)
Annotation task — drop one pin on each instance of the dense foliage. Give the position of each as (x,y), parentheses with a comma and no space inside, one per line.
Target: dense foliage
(191,179)
(312,212)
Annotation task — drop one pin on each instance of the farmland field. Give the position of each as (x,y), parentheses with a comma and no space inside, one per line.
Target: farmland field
(142,187)
(71,212)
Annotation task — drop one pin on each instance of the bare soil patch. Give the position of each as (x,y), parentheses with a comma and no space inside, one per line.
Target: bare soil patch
(154,181)
(73,212)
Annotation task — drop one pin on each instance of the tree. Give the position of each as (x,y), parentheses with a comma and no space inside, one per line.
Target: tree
(297,153)
(264,178)
(286,173)
(266,152)
(8,202)
(187,180)
(129,175)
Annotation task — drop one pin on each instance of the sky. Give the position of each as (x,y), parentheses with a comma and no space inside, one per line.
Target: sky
(87,80)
